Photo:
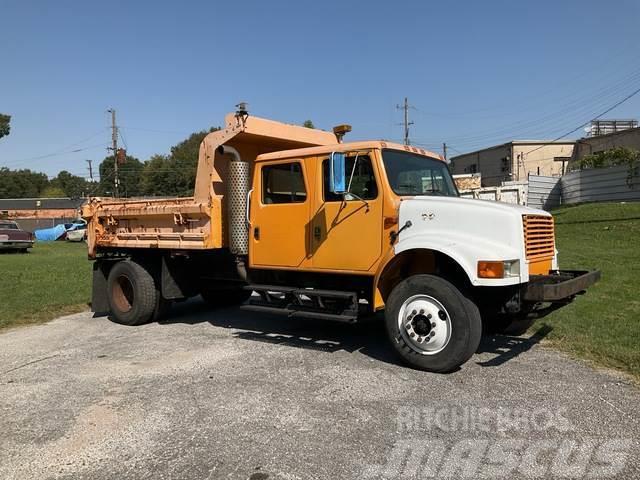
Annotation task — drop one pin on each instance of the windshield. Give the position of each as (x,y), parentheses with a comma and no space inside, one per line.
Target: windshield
(411,174)
(8,226)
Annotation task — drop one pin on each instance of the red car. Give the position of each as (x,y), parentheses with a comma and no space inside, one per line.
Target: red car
(12,237)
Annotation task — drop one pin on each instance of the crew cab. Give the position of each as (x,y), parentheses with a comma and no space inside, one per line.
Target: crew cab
(316,227)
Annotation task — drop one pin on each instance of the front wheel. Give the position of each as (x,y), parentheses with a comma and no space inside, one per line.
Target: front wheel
(431,325)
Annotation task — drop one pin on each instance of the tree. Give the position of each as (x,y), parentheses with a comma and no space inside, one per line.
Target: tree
(308,124)
(5,126)
(21,183)
(52,192)
(610,158)
(71,185)
(129,174)
(156,176)
(174,174)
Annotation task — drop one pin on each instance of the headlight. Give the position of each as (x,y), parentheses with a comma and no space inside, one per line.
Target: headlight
(498,269)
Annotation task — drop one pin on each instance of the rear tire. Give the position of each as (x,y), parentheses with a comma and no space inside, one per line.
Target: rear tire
(225,297)
(132,294)
(431,325)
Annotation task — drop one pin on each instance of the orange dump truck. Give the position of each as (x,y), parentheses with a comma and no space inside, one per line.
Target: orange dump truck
(318,228)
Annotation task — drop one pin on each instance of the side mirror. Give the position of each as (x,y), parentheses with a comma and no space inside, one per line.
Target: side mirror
(337,173)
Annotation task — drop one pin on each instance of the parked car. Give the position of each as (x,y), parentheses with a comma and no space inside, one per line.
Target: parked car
(12,237)
(78,233)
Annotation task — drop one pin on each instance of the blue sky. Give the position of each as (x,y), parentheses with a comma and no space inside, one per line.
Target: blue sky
(477,72)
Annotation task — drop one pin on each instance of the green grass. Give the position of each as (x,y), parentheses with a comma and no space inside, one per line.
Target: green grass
(53,279)
(603,325)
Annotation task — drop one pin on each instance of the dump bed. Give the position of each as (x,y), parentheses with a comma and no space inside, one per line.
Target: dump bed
(196,222)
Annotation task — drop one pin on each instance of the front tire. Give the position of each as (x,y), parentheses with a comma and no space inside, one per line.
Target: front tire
(431,325)
(132,294)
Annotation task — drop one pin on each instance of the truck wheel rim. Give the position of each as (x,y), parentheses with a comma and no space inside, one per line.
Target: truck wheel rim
(424,324)
(123,293)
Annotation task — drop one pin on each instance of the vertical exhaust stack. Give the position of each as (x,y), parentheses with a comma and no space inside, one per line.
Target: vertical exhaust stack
(239,174)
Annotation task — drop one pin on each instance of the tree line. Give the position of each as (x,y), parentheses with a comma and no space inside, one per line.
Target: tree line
(172,174)
(169,175)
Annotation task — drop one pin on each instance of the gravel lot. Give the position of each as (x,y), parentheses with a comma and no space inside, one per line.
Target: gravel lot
(240,395)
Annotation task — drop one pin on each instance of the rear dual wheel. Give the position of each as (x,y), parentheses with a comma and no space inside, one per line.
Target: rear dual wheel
(431,324)
(133,295)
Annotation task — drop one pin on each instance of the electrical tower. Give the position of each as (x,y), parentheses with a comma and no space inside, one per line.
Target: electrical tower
(114,147)
(406,122)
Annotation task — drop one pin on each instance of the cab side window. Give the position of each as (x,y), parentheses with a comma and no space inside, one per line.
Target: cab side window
(363,183)
(283,183)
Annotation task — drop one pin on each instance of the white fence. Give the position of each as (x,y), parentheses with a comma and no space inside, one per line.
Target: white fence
(600,185)
(507,193)
(593,185)
(544,192)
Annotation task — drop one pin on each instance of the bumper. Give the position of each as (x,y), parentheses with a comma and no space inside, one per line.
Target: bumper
(15,244)
(560,286)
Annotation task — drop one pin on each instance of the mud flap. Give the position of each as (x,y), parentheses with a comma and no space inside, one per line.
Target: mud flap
(99,301)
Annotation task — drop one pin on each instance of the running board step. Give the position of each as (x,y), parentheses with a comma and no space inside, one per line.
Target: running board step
(301,313)
(301,302)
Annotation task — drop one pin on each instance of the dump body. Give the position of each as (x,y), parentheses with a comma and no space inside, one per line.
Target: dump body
(198,222)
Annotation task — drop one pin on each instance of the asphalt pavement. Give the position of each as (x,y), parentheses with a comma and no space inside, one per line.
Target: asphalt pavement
(243,395)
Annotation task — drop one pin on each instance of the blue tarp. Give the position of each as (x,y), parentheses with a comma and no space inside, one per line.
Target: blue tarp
(50,234)
(57,232)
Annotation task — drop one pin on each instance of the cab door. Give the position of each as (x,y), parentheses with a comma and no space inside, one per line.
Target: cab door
(346,231)
(280,207)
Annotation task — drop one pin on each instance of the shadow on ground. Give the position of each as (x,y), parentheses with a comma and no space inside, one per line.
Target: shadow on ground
(505,347)
(367,337)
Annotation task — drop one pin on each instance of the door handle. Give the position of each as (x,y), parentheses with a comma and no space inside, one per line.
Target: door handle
(256,233)
(316,232)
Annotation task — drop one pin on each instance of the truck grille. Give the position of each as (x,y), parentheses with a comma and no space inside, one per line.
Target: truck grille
(538,236)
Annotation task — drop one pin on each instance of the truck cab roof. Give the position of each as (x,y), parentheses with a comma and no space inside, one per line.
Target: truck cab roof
(345,147)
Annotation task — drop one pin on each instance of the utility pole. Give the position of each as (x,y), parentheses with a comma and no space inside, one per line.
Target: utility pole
(444,151)
(90,169)
(406,107)
(114,140)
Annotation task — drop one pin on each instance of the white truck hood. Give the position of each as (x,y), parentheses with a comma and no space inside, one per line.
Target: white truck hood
(467,230)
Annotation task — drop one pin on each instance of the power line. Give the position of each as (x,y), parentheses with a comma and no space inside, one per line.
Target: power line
(54,154)
(617,104)
(561,115)
(154,130)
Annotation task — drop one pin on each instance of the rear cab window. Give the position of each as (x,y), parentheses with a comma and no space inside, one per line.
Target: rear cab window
(283,183)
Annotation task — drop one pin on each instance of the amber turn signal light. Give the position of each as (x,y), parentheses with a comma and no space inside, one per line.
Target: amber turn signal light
(390,222)
(490,269)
